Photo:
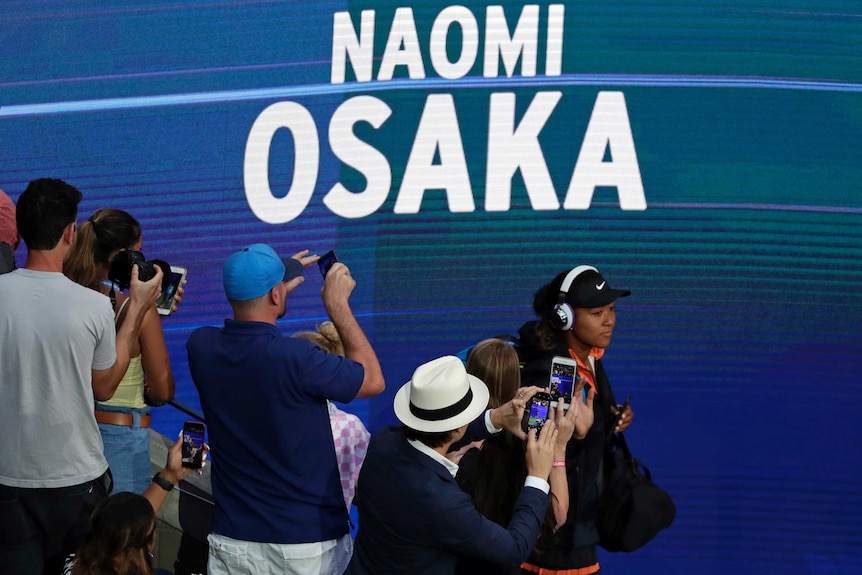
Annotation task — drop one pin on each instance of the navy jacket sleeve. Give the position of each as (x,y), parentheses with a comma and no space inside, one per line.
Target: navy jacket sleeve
(463,531)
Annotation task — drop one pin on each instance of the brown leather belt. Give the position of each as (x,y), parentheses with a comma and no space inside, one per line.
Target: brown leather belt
(124,419)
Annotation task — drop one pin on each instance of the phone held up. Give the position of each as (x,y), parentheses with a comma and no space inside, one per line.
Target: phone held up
(326,261)
(620,411)
(564,376)
(165,303)
(537,412)
(193,444)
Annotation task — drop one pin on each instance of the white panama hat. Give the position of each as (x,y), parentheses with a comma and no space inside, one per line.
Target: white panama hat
(441,396)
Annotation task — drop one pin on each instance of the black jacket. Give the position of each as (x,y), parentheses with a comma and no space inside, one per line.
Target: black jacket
(583,457)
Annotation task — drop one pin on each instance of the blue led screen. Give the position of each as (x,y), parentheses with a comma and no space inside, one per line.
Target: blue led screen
(707,157)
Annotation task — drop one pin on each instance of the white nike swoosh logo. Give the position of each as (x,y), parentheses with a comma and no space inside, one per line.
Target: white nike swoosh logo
(601,285)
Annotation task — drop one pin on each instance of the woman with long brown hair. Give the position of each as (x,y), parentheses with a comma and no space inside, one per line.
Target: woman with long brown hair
(494,474)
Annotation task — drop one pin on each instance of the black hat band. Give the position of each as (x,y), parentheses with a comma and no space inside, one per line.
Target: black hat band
(444,412)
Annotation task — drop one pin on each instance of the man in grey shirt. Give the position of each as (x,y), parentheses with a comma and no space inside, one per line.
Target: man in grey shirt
(59,353)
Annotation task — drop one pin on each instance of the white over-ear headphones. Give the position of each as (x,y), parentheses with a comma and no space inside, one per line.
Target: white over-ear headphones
(562,317)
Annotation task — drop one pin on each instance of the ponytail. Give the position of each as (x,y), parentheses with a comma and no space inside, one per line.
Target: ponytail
(99,238)
(79,265)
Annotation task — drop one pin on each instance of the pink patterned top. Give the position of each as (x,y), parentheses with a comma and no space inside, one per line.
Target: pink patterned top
(351,442)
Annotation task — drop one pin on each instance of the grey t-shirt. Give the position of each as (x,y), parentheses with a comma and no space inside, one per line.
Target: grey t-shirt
(53,333)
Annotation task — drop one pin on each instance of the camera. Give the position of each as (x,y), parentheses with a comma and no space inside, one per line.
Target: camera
(120,271)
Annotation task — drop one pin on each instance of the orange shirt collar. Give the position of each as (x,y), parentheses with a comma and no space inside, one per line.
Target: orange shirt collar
(586,371)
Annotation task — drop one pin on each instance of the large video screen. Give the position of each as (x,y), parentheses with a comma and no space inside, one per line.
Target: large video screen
(706,156)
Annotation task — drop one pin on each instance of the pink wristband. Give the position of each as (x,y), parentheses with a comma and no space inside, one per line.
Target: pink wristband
(559,463)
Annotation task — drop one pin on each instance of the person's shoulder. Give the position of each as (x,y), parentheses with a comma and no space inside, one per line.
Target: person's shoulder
(389,438)
(389,433)
(204,331)
(201,337)
(85,296)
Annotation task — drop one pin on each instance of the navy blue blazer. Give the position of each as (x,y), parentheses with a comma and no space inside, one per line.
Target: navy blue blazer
(415,519)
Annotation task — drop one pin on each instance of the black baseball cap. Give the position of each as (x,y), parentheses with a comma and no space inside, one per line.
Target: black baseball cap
(591,290)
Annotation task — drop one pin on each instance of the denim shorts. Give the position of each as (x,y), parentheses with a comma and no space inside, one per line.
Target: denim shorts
(127,450)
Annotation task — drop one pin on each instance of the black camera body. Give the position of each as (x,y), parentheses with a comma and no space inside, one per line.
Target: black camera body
(120,271)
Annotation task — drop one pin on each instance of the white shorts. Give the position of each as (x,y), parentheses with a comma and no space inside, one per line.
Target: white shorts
(234,557)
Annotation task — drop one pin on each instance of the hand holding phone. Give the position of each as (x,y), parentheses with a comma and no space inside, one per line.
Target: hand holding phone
(537,411)
(326,261)
(193,444)
(621,410)
(165,303)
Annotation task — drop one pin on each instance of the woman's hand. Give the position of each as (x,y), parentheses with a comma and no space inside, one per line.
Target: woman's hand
(584,414)
(565,420)
(178,297)
(625,419)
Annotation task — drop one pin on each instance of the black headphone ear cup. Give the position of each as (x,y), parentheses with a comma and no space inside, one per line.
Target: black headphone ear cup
(562,317)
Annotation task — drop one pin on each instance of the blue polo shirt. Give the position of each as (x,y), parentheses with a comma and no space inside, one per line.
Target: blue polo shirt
(274,476)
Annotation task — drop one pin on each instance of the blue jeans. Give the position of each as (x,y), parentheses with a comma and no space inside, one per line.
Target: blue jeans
(127,450)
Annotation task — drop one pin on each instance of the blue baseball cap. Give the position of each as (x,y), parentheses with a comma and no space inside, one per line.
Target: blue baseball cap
(256,269)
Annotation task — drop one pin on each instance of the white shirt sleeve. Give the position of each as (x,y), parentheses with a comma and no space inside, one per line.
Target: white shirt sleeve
(538,483)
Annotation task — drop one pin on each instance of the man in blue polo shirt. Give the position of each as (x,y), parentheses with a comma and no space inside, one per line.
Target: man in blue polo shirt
(279,504)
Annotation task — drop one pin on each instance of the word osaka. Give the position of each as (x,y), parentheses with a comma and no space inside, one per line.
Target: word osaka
(437,160)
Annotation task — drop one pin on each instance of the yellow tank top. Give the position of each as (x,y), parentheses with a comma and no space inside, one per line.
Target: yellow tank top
(130,391)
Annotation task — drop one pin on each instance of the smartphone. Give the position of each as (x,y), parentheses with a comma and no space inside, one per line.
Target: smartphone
(536,413)
(193,444)
(564,376)
(165,303)
(620,413)
(325,262)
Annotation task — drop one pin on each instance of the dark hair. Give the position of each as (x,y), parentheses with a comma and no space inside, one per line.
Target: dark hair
(99,239)
(121,530)
(544,301)
(431,439)
(44,210)
(501,469)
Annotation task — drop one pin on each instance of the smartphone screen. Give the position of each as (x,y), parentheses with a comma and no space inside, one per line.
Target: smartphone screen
(325,262)
(564,374)
(193,444)
(537,412)
(165,303)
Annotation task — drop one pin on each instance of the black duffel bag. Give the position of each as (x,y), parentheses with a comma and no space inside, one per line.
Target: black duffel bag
(632,509)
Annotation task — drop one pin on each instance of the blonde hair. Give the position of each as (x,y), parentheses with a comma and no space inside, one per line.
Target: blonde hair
(326,338)
(496,363)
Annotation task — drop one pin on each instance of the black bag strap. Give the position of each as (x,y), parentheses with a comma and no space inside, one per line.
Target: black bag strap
(618,440)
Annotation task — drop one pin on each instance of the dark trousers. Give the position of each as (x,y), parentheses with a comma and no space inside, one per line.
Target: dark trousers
(40,528)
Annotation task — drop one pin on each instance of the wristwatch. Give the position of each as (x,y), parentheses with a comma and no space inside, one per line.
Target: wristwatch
(162,482)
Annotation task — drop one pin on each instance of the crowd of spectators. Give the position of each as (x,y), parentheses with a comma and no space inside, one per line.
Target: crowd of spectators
(461,486)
